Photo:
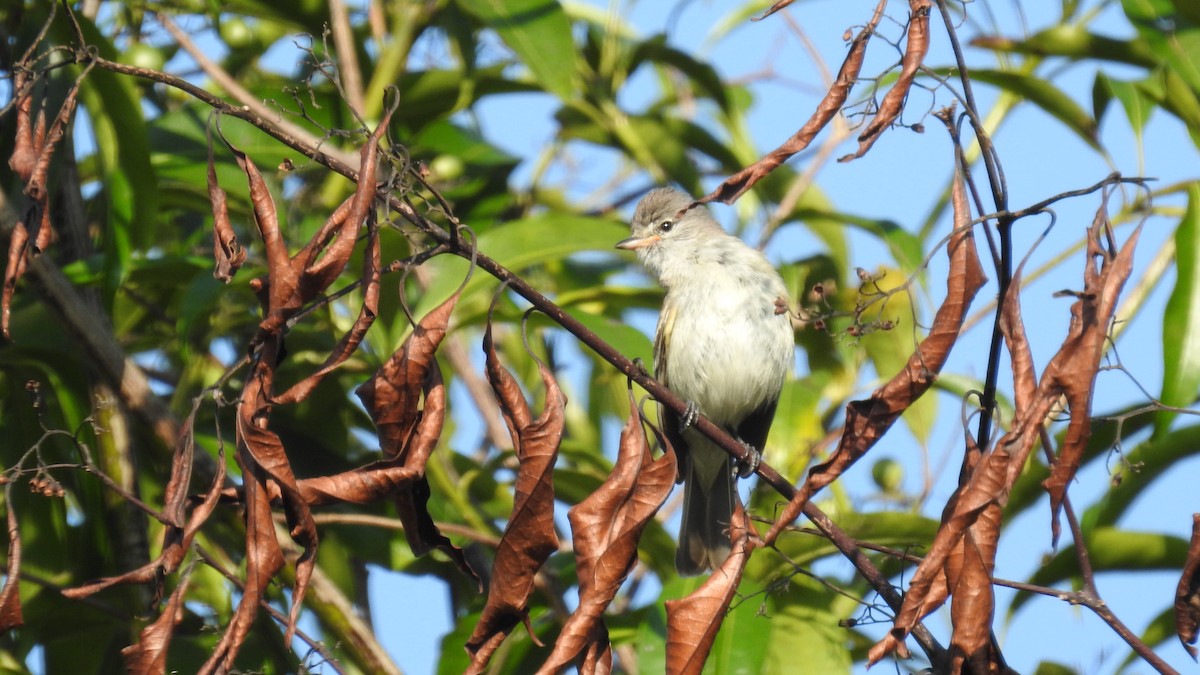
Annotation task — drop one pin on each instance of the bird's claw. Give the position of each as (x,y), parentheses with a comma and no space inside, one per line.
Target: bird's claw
(690,415)
(746,467)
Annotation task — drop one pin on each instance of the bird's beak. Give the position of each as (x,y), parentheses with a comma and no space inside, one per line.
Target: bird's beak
(634,243)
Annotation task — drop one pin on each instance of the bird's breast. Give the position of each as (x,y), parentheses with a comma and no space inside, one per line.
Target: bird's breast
(728,349)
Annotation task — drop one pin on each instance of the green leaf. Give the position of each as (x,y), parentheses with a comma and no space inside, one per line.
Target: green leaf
(803,620)
(540,34)
(1039,91)
(123,151)
(1136,104)
(1111,550)
(518,245)
(886,528)
(889,350)
(741,646)
(1160,630)
(1172,34)
(1076,43)
(1181,320)
(655,50)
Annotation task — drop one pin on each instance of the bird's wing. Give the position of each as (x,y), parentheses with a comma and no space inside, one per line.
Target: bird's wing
(754,428)
(668,418)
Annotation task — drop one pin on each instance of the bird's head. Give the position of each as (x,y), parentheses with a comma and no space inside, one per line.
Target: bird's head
(666,224)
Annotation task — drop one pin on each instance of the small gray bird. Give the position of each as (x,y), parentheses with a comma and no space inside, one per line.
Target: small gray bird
(724,343)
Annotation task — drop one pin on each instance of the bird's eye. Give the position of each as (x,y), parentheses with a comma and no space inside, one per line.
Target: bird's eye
(666,225)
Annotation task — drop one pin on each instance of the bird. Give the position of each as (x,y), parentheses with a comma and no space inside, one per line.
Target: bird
(724,343)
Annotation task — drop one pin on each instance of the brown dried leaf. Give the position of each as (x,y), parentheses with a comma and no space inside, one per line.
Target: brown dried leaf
(268,461)
(13,272)
(278,292)
(294,282)
(10,596)
(264,559)
(408,434)
(30,161)
(693,622)
(149,653)
(345,347)
(1187,593)
(47,141)
(973,604)
(605,528)
(392,397)
(1012,327)
(1071,372)
(893,101)
(180,530)
(228,253)
(773,8)
(24,155)
(867,420)
(529,538)
(175,496)
(737,184)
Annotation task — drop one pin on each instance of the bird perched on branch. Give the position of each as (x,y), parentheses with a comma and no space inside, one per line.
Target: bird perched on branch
(724,343)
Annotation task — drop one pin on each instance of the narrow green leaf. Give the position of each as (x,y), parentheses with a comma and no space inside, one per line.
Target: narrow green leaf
(1111,550)
(518,245)
(540,34)
(703,75)
(1173,35)
(1046,96)
(1136,104)
(1073,42)
(1181,319)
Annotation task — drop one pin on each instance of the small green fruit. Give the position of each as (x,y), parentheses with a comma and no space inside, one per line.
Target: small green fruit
(888,475)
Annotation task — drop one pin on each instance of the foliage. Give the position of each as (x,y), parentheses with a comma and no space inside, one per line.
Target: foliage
(194,425)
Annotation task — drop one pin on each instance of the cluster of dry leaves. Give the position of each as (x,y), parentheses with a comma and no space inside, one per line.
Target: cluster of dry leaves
(406,398)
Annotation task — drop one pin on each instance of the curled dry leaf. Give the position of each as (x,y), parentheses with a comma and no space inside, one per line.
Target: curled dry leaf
(228,254)
(867,420)
(773,8)
(693,622)
(372,266)
(264,559)
(33,148)
(149,653)
(409,432)
(10,596)
(529,538)
(264,461)
(737,184)
(1187,594)
(1071,372)
(293,282)
(605,529)
(893,101)
(180,528)
(968,573)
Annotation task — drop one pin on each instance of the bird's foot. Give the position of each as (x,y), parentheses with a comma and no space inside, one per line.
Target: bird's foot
(746,467)
(641,366)
(690,415)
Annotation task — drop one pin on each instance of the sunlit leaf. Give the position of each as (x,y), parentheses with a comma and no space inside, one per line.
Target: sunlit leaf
(540,34)
(1181,320)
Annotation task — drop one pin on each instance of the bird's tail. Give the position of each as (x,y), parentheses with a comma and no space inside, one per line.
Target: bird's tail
(708,502)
